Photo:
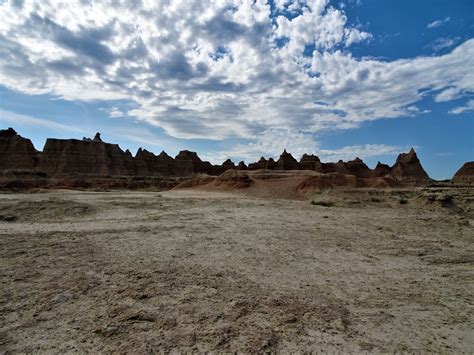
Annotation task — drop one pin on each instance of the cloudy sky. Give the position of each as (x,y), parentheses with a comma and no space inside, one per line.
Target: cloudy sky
(242,79)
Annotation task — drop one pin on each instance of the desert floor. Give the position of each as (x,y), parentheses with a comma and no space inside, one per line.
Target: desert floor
(124,271)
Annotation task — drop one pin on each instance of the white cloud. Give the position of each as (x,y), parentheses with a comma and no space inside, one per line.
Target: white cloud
(218,69)
(448,94)
(12,118)
(360,151)
(114,112)
(468,107)
(443,43)
(438,23)
(269,144)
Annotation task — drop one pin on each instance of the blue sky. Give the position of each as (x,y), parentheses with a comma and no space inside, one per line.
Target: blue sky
(242,79)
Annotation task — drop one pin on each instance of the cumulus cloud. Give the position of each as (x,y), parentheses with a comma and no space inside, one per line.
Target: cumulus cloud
(468,107)
(438,23)
(269,144)
(218,69)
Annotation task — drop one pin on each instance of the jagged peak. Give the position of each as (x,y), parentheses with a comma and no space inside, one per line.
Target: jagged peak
(8,133)
(187,154)
(163,154)
(97,137)
(143,152)
(309,157)
(407,157)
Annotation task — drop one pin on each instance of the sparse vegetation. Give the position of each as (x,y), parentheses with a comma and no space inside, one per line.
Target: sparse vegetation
(322,203)
(403,201)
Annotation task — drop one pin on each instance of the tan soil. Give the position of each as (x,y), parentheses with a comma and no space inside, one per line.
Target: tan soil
(378,271)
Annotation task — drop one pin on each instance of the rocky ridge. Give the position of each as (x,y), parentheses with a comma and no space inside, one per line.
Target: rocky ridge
(93,157)
(465,175)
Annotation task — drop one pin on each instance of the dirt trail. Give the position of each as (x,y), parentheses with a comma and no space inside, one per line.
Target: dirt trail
(381,271)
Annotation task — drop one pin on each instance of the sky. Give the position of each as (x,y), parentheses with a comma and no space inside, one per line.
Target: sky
(243,79)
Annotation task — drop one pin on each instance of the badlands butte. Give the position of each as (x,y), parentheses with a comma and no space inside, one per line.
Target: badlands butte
(102,251)
(94,163)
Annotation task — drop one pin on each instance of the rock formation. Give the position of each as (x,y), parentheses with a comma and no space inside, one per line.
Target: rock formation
(261,164)
(93,157)
(241,166)
(228,164)
(90,157)
(381,170)
(287,162)
(358,168)
(310,162)
(408,169)
(188,163)
(465,175)
(16,152)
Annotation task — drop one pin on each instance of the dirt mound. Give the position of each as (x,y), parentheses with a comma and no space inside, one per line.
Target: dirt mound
(230,180)
(51,209)
(338,180)
(293,184)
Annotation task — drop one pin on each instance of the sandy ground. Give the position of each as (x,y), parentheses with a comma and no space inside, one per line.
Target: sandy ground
(186,270)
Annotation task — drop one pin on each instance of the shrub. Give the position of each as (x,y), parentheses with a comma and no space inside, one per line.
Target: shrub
(322,203)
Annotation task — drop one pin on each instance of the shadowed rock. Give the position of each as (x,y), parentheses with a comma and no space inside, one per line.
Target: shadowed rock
(91,157)
(408,169)
(95,157)
(241,166)
(228,164)
(287,162)
(358,168)
(310,162)
(381,170)
(261,164)
(465,175)
(16,152)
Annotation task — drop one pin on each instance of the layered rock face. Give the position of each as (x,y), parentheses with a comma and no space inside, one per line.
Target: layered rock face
(95,157)
(287,162)
(261,164)
(465,175)
(310,162)
(242,166)
(189,163)
(408,168)
(381,170)
(91,157)
(16,152)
